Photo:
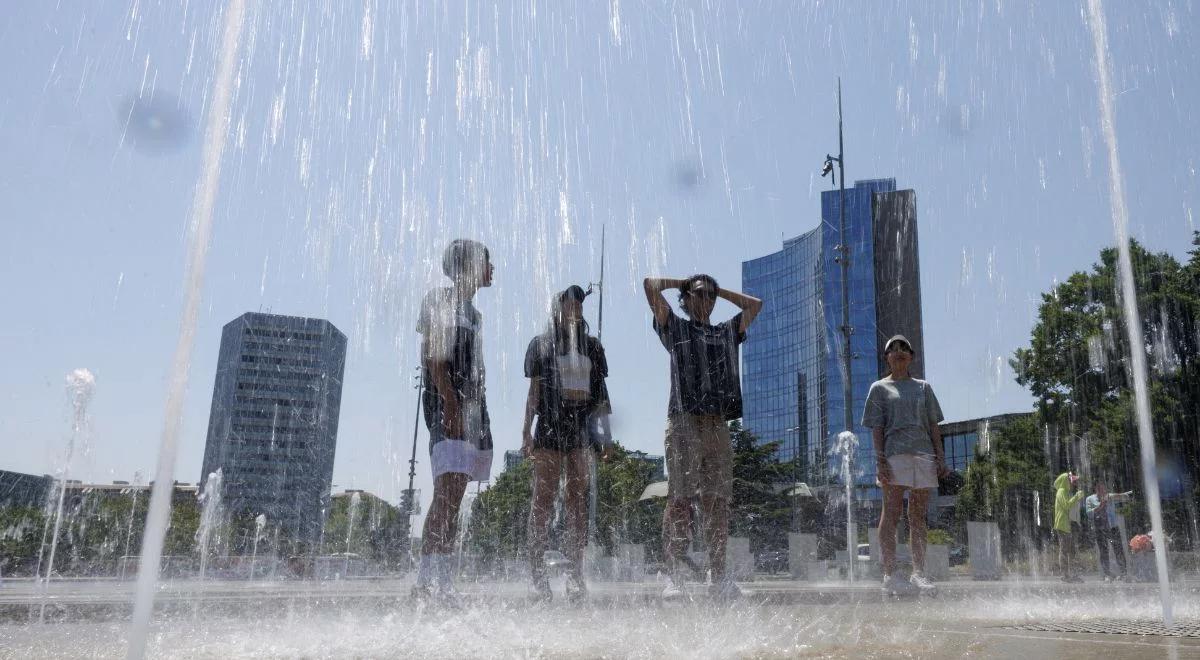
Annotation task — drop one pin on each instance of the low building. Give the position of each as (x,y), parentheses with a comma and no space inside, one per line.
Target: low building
(18,490)
(513,458)
(657,463)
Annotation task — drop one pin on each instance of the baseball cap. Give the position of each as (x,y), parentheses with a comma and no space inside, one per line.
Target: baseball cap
(898,338)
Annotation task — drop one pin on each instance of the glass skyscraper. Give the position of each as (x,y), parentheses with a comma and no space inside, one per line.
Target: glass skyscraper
(273,426)
(793,369)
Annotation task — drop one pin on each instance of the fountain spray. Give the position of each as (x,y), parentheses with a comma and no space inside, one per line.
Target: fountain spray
(216,136)
(1128,296)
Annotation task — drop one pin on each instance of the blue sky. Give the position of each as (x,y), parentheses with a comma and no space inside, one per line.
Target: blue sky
(365,135)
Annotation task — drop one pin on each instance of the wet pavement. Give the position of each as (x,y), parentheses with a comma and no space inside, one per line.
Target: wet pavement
(776,618)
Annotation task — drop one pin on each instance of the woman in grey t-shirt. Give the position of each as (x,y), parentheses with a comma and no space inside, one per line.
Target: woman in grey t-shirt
(903,414)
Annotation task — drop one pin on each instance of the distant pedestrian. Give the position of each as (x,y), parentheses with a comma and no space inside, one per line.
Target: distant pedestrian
(460,437)
(1063,501)
(706,393)
(903,414)
(1142,547)
(1100,507)
(566,368)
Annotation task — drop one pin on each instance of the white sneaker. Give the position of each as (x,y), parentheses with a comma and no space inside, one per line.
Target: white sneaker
(894,585)
(576,588)
(674,591)
(540,591)
(724,591)
(922,583)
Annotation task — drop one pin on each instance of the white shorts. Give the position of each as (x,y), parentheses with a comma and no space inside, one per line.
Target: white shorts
(460,456)
(914,470)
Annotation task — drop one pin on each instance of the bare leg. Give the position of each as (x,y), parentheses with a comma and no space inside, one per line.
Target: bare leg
(441,523)
(918,506)
(716,533)
(575,506)
(676,533)
(547,464)
(893,502)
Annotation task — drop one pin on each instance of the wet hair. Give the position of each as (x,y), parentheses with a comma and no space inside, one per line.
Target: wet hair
(464,257)
(560,333)
(685,289)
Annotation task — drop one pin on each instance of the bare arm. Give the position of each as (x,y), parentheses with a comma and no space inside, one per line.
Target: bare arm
(749,305)
(939,450)
(531,405)
(654,287)
(883,471)
(439,373)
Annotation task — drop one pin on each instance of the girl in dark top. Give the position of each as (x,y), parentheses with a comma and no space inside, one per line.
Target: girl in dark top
(566,370)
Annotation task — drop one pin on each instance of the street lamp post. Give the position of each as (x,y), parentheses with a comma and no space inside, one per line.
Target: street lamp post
(408,502)
(843,258)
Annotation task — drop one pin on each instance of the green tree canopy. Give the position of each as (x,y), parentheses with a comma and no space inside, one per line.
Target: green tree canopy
(1078,369)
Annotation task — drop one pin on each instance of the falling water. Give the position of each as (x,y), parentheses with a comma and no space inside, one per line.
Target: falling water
(211,516)
(847,444)
(81,385)
(1128,296)
(260,521)
(216,136)
(351,512)
(133,495)
(464,527)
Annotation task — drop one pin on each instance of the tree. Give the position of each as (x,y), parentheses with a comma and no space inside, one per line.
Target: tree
(500,518)
(21,529)
(1010,484)
(760,509)
(1077,368)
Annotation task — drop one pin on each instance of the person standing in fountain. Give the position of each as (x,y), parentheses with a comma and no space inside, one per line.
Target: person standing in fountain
(903,414)
(460,437)
(1063,501)
(706,392)
(566,368)
(1103,517)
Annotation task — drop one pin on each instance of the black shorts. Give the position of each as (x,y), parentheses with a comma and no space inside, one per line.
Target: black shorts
(565,429)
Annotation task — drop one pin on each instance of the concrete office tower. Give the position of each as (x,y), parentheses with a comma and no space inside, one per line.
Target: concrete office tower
(273,426)
(792,361)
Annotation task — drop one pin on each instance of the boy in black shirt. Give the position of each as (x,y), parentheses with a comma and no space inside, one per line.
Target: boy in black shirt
(705,393)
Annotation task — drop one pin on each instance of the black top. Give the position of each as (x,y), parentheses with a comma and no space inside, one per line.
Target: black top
(541,360)
(705,379)
(452,329)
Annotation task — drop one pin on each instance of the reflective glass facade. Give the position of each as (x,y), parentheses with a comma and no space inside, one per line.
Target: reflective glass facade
(792,360)
(783,359)
(864,366)
(273,427)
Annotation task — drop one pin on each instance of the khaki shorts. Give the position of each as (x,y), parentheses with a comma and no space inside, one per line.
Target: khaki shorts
(914,470)
(699,457)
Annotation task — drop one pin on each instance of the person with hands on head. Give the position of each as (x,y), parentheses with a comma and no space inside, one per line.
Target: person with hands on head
(903,414)
(705,394)
(454,406)
(566,368)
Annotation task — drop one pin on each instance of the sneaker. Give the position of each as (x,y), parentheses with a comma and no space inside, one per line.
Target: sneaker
(894,585)
(724,591)
(449,597)
(576,588)
(922,583)
(540,591)
(674,590)
(422,593)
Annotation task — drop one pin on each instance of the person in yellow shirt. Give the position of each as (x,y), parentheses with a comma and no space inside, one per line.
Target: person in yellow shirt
(1063,501)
